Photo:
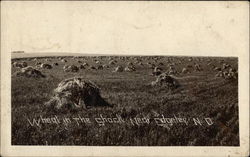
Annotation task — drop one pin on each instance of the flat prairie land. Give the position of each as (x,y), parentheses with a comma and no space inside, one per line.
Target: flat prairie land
(201,95)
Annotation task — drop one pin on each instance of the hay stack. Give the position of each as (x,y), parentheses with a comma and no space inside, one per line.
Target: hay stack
(140,63)
(70,68)
(217,69)
(100,67)
(55,64)
(197,67)
(29,72)
(230,74)
(219,74)
(112,62)
(85,64)
(160,64)
(152,66)
(20,65)
(46,66)
(157,71)
(64,60)
(165,80)
(225,66)
(17,65)
(172,70)
(82,67)
(105,66)
(118,69)
(38,63)
(130,68)
(130,64)
(75,93)
(92,68)
(189,66)
(24,64)
(185,71)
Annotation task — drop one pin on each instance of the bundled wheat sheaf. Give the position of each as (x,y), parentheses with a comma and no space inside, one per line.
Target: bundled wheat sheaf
(166,80)
(76,93)
(29,72)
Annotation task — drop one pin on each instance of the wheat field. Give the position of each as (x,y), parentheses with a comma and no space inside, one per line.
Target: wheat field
(201,95)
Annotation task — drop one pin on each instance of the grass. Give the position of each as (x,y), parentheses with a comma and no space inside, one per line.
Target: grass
(201,95)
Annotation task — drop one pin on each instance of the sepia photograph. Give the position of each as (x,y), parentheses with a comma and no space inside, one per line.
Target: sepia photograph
(124,78)
(124,100)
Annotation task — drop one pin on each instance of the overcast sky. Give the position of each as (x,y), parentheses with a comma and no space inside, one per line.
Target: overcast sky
(208,28)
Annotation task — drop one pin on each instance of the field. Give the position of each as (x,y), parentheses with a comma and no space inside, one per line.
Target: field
(201,95)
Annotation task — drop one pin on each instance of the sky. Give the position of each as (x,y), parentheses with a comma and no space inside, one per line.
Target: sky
(197,28)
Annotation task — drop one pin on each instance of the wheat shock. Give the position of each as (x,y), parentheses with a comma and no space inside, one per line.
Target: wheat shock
(103,120)
(172,120)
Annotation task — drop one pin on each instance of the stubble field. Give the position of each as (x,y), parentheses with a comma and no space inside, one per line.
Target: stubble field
(201,95)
